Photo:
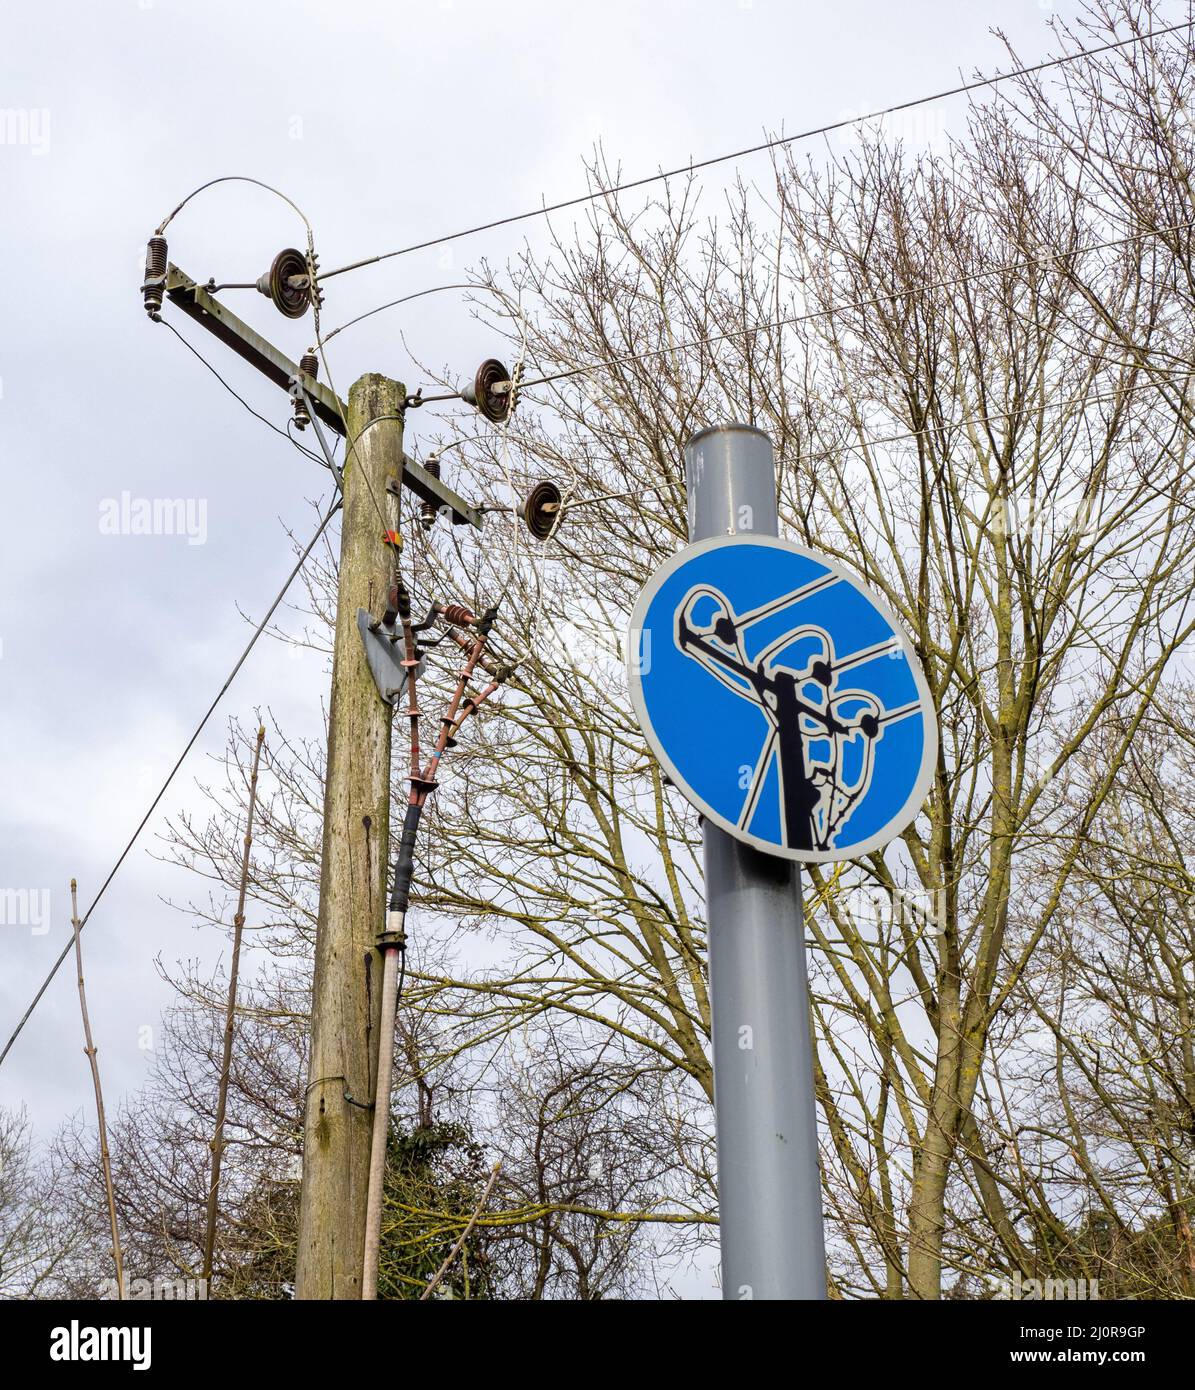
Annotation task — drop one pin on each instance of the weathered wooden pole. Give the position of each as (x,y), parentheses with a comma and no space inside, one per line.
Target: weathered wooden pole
(90,1049)
(347,988)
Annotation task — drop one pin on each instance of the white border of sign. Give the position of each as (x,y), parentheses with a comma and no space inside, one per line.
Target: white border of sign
(929,754)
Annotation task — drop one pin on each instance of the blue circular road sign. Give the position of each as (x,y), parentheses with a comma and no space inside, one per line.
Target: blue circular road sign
(782,698)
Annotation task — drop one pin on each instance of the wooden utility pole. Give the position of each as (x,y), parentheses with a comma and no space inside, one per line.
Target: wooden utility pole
(350,935)
(353,874)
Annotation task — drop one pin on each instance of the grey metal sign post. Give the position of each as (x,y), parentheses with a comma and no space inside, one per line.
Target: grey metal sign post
(769,1188)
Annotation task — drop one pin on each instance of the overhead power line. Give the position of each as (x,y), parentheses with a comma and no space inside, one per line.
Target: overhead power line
(257,631)
(779,142)
(862,446)
(1046,258)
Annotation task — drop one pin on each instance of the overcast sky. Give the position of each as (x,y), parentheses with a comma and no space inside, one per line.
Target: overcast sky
(387,124)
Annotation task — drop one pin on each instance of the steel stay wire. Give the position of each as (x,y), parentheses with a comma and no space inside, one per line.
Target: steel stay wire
(257,632)
(1047,258)
(285,433)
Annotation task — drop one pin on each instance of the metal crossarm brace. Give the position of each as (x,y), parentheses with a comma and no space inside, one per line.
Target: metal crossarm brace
(298,388)
(196,302)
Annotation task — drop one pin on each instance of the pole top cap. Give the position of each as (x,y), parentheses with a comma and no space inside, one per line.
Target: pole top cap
(731,425)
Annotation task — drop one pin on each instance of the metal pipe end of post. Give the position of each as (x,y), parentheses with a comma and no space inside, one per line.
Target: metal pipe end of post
(730,476)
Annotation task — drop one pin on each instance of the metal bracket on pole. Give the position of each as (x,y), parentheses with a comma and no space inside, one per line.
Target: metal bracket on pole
(299,391)
(198,303)
(385,655)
